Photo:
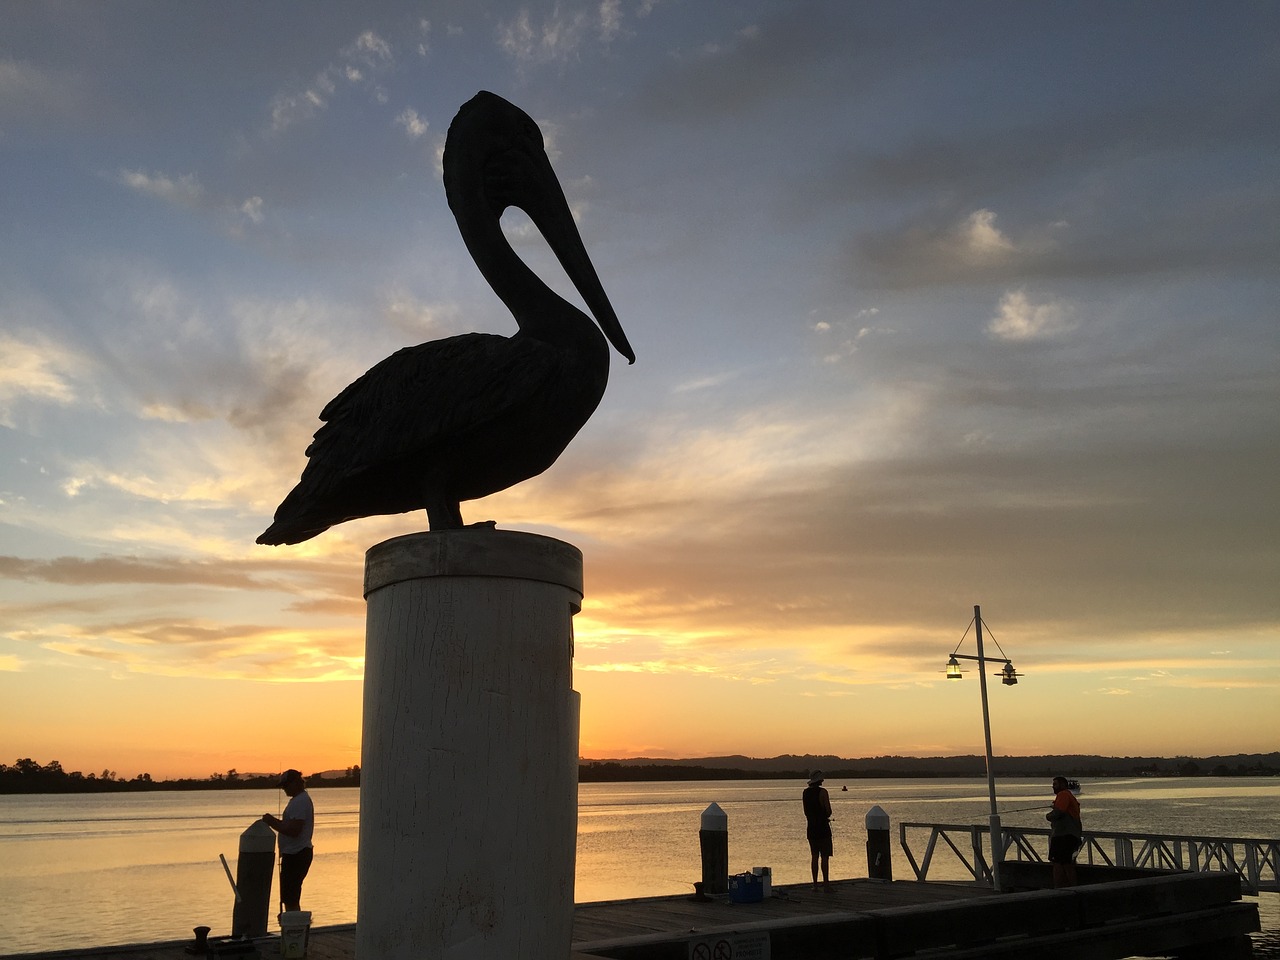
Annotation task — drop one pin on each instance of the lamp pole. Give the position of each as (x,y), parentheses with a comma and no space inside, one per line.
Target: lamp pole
(997,838)
(1009,677)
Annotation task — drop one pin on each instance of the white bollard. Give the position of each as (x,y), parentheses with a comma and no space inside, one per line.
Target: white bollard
(468,795)
(255,867)
(879,854)
(713,840)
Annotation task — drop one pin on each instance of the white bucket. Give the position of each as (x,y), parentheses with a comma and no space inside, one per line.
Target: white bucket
(294,925)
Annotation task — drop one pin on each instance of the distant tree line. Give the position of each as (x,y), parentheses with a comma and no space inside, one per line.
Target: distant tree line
(633,771)
(28,776)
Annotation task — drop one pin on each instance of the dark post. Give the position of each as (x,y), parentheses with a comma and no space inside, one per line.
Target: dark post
(254,869)
(714,839)
(201,945)
(879,858)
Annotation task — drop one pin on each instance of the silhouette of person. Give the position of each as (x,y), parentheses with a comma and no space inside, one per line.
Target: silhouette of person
(817,812)
(295,827)
(1066,834)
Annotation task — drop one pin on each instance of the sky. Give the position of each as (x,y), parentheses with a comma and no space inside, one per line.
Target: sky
(934,305)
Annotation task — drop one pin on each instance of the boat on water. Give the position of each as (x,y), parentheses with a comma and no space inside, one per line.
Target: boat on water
(1074,787)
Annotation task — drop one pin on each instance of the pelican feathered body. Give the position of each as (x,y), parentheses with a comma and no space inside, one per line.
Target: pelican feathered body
(461,418)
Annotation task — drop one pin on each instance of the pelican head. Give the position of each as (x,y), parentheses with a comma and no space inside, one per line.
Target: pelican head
(494,158)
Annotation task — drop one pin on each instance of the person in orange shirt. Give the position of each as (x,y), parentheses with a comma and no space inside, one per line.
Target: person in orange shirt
(1066,834)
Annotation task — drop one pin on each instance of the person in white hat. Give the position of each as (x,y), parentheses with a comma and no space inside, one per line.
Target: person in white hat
(817,811)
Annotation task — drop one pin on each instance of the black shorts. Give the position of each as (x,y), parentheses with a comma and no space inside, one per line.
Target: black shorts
(1063,849)
(820,842)
(293,870)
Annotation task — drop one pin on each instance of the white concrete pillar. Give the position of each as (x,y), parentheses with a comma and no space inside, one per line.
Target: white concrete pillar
(469,770)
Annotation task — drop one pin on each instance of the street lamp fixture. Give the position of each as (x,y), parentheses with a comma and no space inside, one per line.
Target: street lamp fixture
(1008,677)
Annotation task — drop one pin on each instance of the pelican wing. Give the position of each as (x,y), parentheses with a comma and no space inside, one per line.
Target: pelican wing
(426,394)
(418,400)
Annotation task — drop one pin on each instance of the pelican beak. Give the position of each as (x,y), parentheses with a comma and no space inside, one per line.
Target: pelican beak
(550,213)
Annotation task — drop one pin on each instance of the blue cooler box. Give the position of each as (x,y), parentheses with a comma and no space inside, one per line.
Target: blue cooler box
(746,888)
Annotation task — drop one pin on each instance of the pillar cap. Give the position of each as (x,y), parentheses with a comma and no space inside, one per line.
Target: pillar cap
(714,818)
(877,818)
(258,838)
(473,552)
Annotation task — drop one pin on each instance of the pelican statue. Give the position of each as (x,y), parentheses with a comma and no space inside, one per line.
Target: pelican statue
(467,416)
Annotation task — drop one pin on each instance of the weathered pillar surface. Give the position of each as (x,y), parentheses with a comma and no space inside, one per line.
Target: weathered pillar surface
(255,866)
(468,796)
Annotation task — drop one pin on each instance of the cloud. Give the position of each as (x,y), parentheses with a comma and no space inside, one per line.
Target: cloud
(31,92)
(1145,187)
(610,19)
(847,333)
(184,191)
(36,369)
(421,321)
(1020,319)
(414,125)
(177,646)
(794,48)
(252,210)
(979,237)
(359,64)
(561,33)
(708,382)
(933,251)
(102,621)
(168,571)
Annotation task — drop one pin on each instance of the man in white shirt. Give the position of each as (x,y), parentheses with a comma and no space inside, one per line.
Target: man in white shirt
(295,827)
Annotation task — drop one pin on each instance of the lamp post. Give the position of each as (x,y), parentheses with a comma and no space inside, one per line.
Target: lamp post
(1009,677)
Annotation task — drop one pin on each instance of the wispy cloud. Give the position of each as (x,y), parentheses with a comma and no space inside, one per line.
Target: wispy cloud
(32,92)
(359,64)
(34,368)
(183,190)
(174,647)
(560,34)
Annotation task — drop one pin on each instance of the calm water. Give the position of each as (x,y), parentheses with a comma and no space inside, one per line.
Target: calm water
(95,870)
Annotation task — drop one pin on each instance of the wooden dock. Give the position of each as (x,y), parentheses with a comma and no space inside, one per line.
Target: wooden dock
(1191,915)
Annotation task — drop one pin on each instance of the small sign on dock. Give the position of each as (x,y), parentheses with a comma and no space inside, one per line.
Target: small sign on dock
(731,946)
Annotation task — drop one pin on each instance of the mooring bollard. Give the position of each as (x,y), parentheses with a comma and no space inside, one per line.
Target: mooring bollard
(201,945)
(879,860)
(714,840)
(254,868)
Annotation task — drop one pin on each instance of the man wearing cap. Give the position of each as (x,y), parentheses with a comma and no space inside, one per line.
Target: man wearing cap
(817,811)
(295,827)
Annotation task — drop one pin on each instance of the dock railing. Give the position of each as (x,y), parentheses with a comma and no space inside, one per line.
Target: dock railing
(1257,862)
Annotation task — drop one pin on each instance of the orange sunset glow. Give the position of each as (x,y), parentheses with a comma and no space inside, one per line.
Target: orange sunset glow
(928,313)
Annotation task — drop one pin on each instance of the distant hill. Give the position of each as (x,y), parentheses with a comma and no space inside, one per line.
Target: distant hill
(801,765)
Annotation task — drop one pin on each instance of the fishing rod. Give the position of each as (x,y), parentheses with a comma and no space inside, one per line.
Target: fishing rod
(234,888)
